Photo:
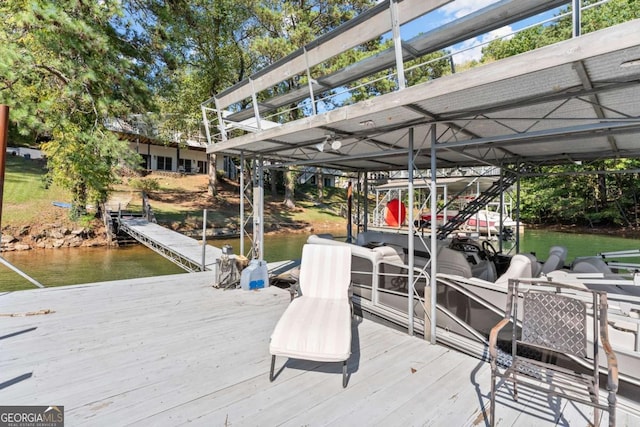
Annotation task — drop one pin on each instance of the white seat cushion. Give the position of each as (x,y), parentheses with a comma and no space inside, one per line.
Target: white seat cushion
(317,324)
(314,329)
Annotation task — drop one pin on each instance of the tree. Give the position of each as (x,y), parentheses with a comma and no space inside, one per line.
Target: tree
(602,16)
(66,68)
(282,26)
(202,49)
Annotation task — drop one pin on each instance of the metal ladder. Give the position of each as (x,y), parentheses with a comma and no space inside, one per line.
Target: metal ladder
(475,205)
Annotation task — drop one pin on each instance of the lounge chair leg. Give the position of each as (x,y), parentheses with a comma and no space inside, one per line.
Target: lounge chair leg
(273,365)
(344,374)
(492,409)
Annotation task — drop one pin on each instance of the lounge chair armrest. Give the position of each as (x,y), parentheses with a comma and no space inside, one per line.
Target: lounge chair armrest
(493,338)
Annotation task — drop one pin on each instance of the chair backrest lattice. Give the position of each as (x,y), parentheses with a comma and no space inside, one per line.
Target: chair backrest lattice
(555,322)
(557,346)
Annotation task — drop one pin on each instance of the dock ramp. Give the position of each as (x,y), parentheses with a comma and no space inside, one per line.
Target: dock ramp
(176,247)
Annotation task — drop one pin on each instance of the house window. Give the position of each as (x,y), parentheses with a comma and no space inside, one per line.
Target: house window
(202,167)
(144,164)
(185,165)
(165,163)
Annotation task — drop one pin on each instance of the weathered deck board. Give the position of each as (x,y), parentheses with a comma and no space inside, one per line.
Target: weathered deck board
(173,350)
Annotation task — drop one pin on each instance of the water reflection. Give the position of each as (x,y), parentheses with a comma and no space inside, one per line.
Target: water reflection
(277,247)
(56,267)
(68,266)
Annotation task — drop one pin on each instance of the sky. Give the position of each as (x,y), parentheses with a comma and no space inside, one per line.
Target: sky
(457,9)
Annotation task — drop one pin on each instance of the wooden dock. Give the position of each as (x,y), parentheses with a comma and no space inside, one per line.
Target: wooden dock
(176,247)
(173,350)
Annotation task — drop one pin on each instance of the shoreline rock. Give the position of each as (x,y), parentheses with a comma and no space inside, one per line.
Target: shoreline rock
(52,236)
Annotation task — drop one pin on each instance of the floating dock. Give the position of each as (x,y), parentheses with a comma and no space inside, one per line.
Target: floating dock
(173,350)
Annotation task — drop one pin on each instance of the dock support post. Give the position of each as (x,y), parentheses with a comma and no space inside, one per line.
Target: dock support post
(434,239)
(410,235)
(4,134)
(204,238)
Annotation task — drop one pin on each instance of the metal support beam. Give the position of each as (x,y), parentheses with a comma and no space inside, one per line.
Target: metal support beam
(258,208)
(410,235)
(397,43)
(575,18)
(434,237)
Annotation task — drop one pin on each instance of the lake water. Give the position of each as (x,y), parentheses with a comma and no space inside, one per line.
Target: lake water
(56,267)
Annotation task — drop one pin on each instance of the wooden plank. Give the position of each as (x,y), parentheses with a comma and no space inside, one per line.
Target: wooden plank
(174,350)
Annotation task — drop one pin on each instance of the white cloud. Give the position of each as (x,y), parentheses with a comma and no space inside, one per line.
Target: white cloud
(472,49)
(460,8)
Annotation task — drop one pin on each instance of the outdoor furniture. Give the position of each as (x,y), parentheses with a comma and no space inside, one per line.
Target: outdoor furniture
(317,324)
(550,351)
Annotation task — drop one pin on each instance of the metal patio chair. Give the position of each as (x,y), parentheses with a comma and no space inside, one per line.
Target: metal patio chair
(550,351)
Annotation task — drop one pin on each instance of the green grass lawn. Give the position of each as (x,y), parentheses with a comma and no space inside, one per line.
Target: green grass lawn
(27,199)
(25,194)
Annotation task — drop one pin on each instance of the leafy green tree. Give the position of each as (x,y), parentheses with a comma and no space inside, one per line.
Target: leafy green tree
(202,49)
(593,198)
(66,67)
(282,26)
(595,18)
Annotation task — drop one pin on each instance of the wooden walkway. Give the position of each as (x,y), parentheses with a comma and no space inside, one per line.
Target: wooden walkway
(182,250)
(173,350)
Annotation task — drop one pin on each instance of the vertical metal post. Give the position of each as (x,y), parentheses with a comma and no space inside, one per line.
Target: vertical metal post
(204,238)
(223,129)
(501,224)
(397,42)
(410,235)
(575,18)
(242,230)
(349,211)
(310,81)
(358,194)
(4,134)
(258,208)
(365,219)
(434,238)
(518,214)
(256,108)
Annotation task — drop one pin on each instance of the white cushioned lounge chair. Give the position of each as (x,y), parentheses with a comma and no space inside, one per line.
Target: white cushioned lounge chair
(317,324)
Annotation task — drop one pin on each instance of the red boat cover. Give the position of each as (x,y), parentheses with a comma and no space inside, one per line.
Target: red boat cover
(395,213)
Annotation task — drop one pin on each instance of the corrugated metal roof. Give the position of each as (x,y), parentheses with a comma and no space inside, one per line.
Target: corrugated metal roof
(572,101)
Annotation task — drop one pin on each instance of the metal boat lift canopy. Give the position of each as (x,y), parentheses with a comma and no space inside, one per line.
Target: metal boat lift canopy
(577,100)
(574,101)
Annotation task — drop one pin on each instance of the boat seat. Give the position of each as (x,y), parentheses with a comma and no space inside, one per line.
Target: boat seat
(485,270)
(520,267)
(389,255)
(590,265)
(454,262)
(555,260)
(536,266)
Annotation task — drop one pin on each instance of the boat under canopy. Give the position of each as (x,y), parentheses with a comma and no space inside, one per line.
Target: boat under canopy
(570,102)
